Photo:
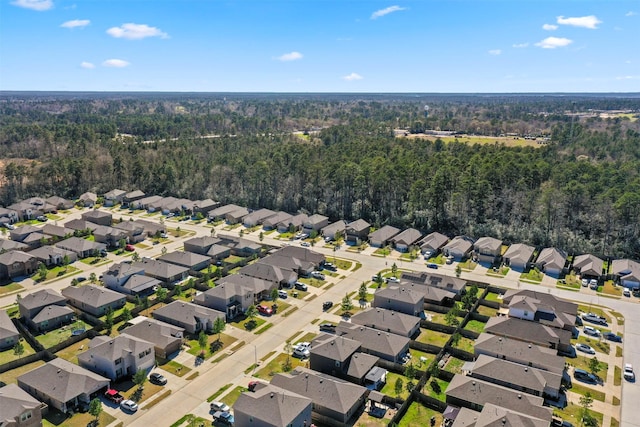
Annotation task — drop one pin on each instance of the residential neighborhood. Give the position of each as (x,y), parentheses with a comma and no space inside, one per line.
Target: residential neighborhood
(298,321)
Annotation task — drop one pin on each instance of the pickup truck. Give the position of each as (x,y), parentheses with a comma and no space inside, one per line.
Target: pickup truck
(223,417)
(113,395)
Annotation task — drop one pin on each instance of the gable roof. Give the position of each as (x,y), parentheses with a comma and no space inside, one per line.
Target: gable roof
(62,380)
(259,215)
(459,243)
(272,405)
(387,320)
(295,220)
(288,262)
(159,333)
(527,331)
(158,268)
(361,364)
(334,347)
(520,253)
(433,241)
(115,193)
(552,257)
(88,197)
(448,283)
(14,401)
(184,259)
(55,230)
(407,237)
(224,291)
(271,273)
(134,193)
(315,219)
(385,343)
(96,214)
(12,257)
(203,241)
(324,390)
(51,312)
(188,313)
(588,264)
(92,295)
(301,253)
(11,245)
(123,269)
(41,298)
(77,244)
(357,226)
(558,304)
(512,349)
(401,293)
(254,284)
(47,252)
(627,269)
(487,244)
(334,227)
(7,328)
(383,234)
(80,224)
(277,218)
(113,348)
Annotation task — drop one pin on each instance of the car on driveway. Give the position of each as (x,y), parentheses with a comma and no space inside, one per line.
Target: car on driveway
(129,248)
(584,376)
(585,282)
(317,275)
(283,294)
(264,310)
(628,372)
(301,286)
(157,378)
(612,337)
(219,406)
(113,395)
(327,327)
(590,330)
(223,418)
(594,318)
(392,279)
(305,244)
(302,350)
(585,348)
(129,405)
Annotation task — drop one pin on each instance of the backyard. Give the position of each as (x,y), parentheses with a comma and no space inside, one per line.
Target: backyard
(427,336)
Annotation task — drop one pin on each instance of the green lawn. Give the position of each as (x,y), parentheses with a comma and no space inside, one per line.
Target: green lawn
(475,326)
(610,288)
(416,356)
(486,311)
(465,344)
(454,365)
(532,275)
(11,377)
(241,322)
(55,272)
(438,259)
(175,368)
(231,397)
(55,418)
(11,287)
(418,414)
(70,353)
(468,265)
(54,337)
(572,412)
(598,345)
(275,366)
(343,264)
(434,393)
(194,347)
(389,387)
(382,251)
(492,296)
(433,337)
(316,283)
(576,387)
(9,355)
(218,393)
(582,362)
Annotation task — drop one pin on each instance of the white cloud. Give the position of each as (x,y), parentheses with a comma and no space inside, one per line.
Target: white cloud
(87,65)
(76,23)
(631,13)
(628,78)
(520,45)
(495,52)
(38,5)
(133,31)
(554,42)
(382,12)
(352,77)
(549,27)
(590,21)
(291,56)
(115,63)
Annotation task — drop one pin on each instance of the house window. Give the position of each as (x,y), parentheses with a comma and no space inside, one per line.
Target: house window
(526,313)
(337,363)
(118,360)
(141,355)
(148,351)
(25,416)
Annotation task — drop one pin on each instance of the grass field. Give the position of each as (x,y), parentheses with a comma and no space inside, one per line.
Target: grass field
(276,364)
(508,141)
(432,337)
(418,414)
(10,377)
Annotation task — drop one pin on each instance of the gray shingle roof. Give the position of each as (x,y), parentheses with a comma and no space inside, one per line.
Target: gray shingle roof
(387,320)
(114,348)
(161,334)
(41,298)
(383,234)
(7,328)
(552,257)
(187,313)
(487,244)
(184,259)
(385,343)
(92,295)
(516,350)
(407,237)
(409,294)
(12,257)
(14,402)
(51,312)
(519,252)
(588,264)
(334,347)
(272,405)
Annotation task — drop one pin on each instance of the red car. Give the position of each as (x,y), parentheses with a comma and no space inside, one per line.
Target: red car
(129,248)
(264,309)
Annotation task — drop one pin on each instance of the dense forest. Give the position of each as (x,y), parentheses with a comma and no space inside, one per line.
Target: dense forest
(337,154)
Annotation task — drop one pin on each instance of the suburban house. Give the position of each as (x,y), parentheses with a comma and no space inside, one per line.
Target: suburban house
(235,216)
(55,231)
(332,398)
(127,279)
(271,273)
(388,321)
(31,304)
(204,206)
(403,241)
(221,211)
(333,230)
(357,232)
(493,415)
(98,217)
(95,300)
(82,247)
(526,379)
(257,217)
(8,216)
(150,228)
(200,245)
(88,199)
(340,357)
(9,335)
(168,274)
(9,245)
(109,236)
(52,255)
(134,231)
(260,288)
(59,202)
(132,196)
(240,247)
(459,248)
(295,222)
(16,264)
(451,284)
(303,268)
(385,345)
(192,261)
(144,203)
(530,332)
(230,298)
(588,266)
(118,357)
(518,256)
(63,385)
(80,226)
(272,222)
(382,236)
(552,261)
(487,250)
(31,208)
(315,222)
(45,310)
(18,408)
(472,393)
(541,307)
(303,254)
(271,406)
(627,272)
(114,197)
(402,299)
(520,352)
(192,318)
(21,233)
(166,338)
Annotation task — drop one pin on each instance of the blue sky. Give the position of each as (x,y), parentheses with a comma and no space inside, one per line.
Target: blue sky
(320,45)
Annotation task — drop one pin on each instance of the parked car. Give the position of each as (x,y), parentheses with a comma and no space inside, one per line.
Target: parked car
(283,294)
(302,350)
(585,348)
(157,378)
(223,417)
(317,275)
(432,265)
(584,376)
(129,405)
(327,305)
(252,385)
(585,282)
(301,286)
(80,279)
(449,260)
(219,406)
(264,310)
(392,279)
(612,337)
(626,292)
(305,244)
(628,372)
(129,248)
(593,318)
(590,330)
(327,327)
(9,226)
(42,218)
(330,266)
(113,395)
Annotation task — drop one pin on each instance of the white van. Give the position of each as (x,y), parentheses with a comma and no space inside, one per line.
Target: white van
(626,292)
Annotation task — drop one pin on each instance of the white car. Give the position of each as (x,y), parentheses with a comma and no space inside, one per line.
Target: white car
(129,405)
(219,406)
(590,330)
(626,292)
(628,372)
(302,350)
(585,282)
(305,244)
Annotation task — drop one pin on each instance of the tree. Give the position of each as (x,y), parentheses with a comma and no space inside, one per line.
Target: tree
(18,349)
(178,231)
(379,280)
(586,401)
(161,294)
(435,386)
(164,250)
(362,292)
(122,243)
(203,340)
(42,272)
(109,319)
(261,236)
(135,257)
(274,295)
(286,365)
(455,339)
(65,262)
(251,313)
(394,269)
(346,305)
(594,366)
(410,371)
(139,378)
(458,270)
(95,409)
(93,278)
(470,298)
(126,314)
(398,386)
(177,290)
(219,326)
(451,318)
